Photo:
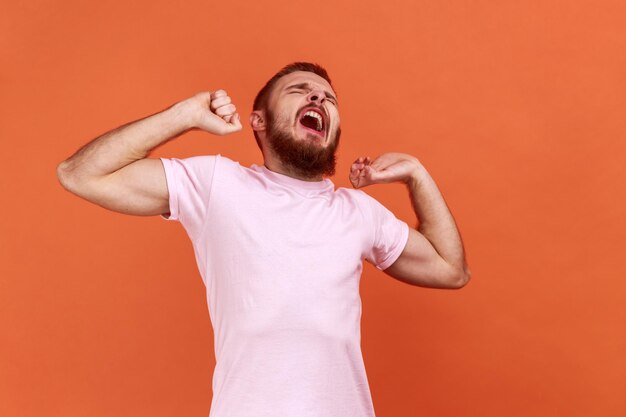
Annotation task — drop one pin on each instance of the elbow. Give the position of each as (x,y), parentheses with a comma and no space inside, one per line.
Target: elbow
(64,177)
(460,279)
(61,174)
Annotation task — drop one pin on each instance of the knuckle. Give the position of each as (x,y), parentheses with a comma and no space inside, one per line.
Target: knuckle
(218,93)
(228,109)
(224,111)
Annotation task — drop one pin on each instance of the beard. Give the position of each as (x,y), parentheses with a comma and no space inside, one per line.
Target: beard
(306,158)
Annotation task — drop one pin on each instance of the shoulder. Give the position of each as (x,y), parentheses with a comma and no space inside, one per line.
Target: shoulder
(357,199)
(358,196)
(369,205)
(230,170)
(191,163)
(202,166)
(224,160)
(224,164)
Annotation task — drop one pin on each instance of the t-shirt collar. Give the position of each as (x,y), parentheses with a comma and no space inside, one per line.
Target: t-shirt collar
(295,183)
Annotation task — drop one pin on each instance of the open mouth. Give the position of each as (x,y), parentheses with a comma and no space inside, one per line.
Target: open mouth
(313,120)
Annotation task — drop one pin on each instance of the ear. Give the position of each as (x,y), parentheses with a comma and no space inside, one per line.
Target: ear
(257,120)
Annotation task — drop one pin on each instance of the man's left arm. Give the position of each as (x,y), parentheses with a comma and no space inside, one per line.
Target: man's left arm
(433,256)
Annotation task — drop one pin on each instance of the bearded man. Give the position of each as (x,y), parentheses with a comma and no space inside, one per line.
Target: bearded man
(279,248)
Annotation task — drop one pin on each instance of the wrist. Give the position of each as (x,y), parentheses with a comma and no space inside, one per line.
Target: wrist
(417,176)
(183,115)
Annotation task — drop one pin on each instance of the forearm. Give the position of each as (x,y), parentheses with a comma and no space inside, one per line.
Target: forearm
(435,219)
(126,144)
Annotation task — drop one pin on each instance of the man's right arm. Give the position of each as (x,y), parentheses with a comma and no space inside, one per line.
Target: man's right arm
(112,171)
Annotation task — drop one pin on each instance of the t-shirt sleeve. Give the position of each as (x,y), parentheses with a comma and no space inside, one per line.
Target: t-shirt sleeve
(390,236)
(189,182)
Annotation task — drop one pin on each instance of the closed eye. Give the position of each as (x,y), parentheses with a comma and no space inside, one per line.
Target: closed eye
(305,88)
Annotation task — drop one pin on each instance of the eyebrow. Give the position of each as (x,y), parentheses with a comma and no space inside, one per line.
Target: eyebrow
(307,86)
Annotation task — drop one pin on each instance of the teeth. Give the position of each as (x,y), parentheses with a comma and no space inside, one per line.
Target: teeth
(311,113)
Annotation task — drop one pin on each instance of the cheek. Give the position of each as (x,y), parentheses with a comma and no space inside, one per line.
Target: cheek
(336,122)
(280,119)
(288,120)
(287,116)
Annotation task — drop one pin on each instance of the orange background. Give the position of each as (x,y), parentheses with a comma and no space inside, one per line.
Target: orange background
(517,109)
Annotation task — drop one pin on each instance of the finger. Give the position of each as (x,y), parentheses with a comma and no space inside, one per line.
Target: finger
(220,101)
(381,160)
(234,123)
(359,181)
(354,181)
(370,171)
(226,110)
(356,165)
(375,176)
(218,94)
(237,120)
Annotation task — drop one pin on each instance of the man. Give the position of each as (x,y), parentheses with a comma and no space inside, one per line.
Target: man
(279,249)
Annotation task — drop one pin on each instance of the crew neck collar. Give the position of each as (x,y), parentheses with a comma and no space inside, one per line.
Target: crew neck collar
(295,183)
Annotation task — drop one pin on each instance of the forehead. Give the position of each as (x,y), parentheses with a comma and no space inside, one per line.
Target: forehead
(299,77)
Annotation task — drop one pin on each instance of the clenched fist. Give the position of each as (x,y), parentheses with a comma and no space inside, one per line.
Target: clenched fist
(213,112)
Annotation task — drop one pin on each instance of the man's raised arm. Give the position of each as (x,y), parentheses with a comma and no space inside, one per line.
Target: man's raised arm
(112,170)
(433,256)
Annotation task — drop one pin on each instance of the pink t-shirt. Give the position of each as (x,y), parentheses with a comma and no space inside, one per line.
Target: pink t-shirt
(281,260)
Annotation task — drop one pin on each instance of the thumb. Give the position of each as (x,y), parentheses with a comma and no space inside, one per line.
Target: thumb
(374,175)
(234,124)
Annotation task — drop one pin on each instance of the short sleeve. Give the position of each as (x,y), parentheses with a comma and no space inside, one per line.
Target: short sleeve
(189,182)
(390,236)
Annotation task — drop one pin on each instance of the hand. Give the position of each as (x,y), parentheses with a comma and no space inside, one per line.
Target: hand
(388,167)
(214,113)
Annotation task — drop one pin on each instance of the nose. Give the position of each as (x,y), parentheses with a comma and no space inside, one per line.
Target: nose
(317,96)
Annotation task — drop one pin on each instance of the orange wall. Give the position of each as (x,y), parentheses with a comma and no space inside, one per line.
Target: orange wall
(516,108)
